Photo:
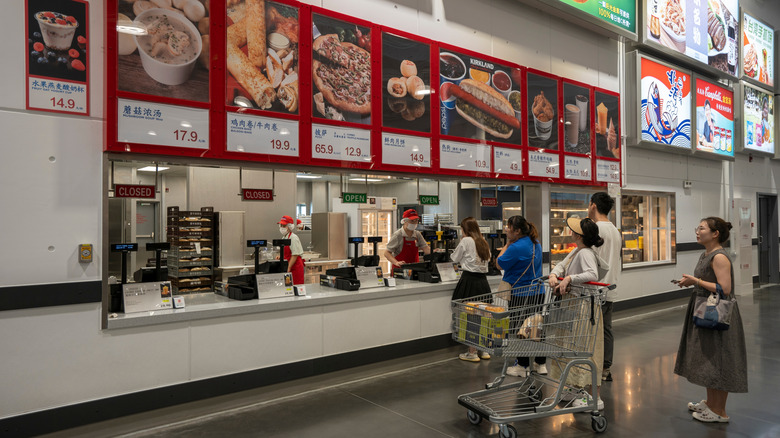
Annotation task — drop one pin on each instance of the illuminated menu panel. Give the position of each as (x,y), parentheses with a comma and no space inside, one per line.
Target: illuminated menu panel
(758,51)
(714,118)
(666,104)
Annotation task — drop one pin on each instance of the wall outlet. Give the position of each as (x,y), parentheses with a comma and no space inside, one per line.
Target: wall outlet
(687,184)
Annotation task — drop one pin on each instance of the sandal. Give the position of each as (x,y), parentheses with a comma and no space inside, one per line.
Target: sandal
(698,407)
(710,417)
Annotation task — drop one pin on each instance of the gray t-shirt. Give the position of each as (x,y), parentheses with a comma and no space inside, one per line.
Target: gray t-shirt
(396,243)
(610,252)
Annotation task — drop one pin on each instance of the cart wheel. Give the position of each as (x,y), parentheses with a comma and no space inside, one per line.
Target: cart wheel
(507,432)
(474,418)
(599,423)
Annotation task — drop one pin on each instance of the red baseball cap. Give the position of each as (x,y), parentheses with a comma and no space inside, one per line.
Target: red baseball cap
(411,214)
(297,222)
(286,220)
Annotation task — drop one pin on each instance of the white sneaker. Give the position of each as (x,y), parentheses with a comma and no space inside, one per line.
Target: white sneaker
(469,357)
(484,355)
(540,368)
(585,400)
(517,371)
(568,394)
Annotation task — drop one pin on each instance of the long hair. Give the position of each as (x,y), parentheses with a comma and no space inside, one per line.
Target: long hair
(470,228)
(518,223)
(590,233)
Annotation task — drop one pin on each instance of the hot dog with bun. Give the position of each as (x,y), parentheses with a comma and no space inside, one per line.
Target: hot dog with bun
(483,107)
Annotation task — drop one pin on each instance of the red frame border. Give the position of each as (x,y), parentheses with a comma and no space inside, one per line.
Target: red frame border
(619,137)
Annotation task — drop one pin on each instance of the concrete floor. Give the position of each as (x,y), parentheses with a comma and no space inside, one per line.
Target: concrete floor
(417,396)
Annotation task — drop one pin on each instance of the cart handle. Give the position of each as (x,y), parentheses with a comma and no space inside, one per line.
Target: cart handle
(595,283)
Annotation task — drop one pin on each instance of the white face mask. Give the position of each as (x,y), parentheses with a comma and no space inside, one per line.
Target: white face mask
(283,231)
(411,227)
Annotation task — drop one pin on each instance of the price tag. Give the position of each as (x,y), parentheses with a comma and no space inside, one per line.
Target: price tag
(543,164)
(607,171)
(465,156)
(262,135)
(369,276)
(578,168)
(508,161)
(448,271)
(275,285)
(54,95)
(406,150)
(345,144)
(163,125)
(145,297)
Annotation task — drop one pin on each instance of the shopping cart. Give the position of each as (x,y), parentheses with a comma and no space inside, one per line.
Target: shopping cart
(562,328)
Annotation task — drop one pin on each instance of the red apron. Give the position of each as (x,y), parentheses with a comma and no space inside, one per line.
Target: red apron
(297,267)
(409,252)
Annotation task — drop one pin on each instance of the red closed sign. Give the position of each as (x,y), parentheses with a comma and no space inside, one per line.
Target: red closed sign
(258,195)
(489,202)
(133,191)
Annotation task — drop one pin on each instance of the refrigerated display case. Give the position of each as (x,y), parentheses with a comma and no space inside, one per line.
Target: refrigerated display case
(648,228)
(378,222)
(564,205)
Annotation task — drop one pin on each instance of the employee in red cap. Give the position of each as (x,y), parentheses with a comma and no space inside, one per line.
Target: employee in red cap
(405,243)
(293,252)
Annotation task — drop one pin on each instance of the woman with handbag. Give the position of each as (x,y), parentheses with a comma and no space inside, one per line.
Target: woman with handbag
(473,254)
(712,357)
(581,266)
(521,261)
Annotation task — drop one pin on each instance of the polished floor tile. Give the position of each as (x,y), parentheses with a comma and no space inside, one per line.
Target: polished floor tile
(417,396)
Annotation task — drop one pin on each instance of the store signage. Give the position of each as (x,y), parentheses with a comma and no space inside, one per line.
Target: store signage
(620,13)
(57,61)
(607,171)
(147,297)
(489,202)
(275,285)
(714,118)
(758,51)
(257,195)
(408,100)
(705,30)
(543,164)
(262,135)
(577,168)
(406,150)
(134,191)
(465,156)
(346,144)
(429,199)
(369,276)
(759,125)
(507,161)
(162,125)
(666,104)
(353,198)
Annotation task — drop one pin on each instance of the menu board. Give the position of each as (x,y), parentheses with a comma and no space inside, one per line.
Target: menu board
(621,13)
(714,118)
(705,30)
(341,70)
(576,119)
(406,80)
(758,113)
(479,99)
(607,125)
(758,51)
(542,112)
(666,104)
(262,56)
(171,59)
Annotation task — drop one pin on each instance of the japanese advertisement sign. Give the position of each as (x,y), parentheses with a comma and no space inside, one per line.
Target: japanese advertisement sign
(705,30)
(758,113)
(57,56)
(479,99)
(758,51)
(714,118)
(621,13)
(666,105)
(406,80)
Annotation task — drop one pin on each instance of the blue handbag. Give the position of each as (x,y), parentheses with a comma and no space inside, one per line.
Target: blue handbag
(713,312)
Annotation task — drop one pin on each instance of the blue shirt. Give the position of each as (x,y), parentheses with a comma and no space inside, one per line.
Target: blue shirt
(516,259)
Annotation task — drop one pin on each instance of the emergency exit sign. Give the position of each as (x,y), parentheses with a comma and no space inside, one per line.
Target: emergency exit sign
(429,200)
(353,198)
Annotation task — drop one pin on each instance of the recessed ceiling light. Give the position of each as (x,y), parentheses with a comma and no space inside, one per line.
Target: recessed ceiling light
(365,180)
(151,169)
(305,176)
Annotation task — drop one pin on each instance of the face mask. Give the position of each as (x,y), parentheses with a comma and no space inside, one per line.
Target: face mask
(283,231)
(411,227)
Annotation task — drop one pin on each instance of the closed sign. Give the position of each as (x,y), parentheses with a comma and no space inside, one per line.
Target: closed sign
(133,191)
(258,195)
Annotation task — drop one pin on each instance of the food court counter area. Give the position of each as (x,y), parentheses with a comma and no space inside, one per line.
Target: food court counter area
(210,305)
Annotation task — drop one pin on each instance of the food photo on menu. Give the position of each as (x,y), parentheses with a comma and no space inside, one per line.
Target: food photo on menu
(406,73)
(262,55)
(607,125)
(542,112)
(759,121)
(576,120)
(758,51)
(341,70)
(57,43)
(479,99)
(163,48)
(722,35)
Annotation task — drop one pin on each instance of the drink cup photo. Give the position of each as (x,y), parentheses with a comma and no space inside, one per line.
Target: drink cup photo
(572,124)
(582,104)
(57,29)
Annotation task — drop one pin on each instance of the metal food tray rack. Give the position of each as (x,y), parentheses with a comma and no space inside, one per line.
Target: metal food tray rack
(563,328)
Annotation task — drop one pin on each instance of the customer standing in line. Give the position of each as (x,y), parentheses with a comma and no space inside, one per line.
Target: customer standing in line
(473,254)
(521,261)
(598,211)
(581,266)
(714,359)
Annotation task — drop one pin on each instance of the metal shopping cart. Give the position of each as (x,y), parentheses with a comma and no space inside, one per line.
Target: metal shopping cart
(564,329)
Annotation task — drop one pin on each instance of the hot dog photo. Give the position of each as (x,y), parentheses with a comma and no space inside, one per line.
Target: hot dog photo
(406,79)
(542,112)
(479,99)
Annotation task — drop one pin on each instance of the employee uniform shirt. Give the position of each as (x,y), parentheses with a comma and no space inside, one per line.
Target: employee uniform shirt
(466,255)
(610,252)
(396,243)
(296,248)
